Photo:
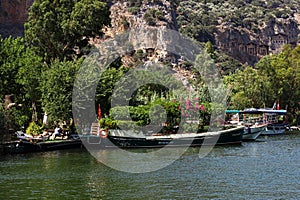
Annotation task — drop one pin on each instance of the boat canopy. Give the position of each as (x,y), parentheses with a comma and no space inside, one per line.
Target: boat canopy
(232,111)
(270,111)
(263,110)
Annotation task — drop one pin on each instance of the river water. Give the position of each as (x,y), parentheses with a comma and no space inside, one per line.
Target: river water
(267,169)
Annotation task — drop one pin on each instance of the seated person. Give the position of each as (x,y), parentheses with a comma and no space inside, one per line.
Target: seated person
(57,131)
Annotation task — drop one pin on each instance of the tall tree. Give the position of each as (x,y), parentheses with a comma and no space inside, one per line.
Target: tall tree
(59,28)
(20,70)
(10,52)
(56,87)
(248,88)
(275,79)
(28,77)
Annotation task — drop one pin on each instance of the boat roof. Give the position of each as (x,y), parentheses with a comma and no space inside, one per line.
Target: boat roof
(232,111)
(263,110)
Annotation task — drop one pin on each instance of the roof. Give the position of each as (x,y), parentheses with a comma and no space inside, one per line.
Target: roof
(263,110)
(232,111)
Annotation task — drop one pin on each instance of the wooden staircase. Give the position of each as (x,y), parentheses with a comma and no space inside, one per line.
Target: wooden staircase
(95,128)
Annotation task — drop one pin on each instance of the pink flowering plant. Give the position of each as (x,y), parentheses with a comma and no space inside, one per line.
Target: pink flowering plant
(192,112)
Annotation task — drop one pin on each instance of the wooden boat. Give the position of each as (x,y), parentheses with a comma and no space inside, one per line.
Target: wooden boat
(269,118)
(252,128)
(275,129)
(128,139)
(26,146)
(252,132)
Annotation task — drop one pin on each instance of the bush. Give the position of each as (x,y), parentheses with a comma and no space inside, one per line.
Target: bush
(108,123)
(190,128)
(126,125)
(34,129)
(133,10)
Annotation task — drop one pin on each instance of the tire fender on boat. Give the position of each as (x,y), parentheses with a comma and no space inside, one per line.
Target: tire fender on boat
(103,133)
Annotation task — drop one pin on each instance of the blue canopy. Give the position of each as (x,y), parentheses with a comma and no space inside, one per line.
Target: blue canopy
(232,111)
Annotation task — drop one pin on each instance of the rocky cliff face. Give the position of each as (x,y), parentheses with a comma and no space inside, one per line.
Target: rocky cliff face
(149,13)
(249,47)
(244,44)
(13,15)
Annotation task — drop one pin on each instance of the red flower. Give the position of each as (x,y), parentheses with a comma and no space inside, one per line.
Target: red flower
(202,108)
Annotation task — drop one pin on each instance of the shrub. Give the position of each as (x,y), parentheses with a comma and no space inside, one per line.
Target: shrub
(34,129)
(133,10)
(108,123)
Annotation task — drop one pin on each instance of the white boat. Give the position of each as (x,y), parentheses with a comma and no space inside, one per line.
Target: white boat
(275,129)
(266,117)
(261,121)
(252,132)
(274,126)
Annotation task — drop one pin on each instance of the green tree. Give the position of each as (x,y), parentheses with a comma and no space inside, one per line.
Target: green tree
(56,87)
(28,77)
(283,70)
(56,28)
(247,89)
(107,82)
(10,52)
(275,79)
(20,72)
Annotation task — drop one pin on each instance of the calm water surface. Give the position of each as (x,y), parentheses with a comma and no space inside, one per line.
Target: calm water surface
(269,169)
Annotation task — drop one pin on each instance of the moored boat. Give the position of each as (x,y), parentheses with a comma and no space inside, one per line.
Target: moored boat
(127,139)
(24,146)
(260,122)
(253,127)
(274,121)
(251,133)
(275,129)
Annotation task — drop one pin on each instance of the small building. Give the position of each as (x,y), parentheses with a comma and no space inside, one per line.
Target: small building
(242,47)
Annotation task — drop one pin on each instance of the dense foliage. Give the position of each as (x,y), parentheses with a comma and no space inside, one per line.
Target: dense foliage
(61,29)
(56,87)
(20,74)
(39,70)
(276,78)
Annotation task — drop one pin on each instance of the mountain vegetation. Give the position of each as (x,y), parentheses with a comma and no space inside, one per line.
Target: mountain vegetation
(200,18)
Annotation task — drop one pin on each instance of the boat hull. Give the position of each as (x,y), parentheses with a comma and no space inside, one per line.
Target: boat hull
(253,132)
(21,147)
(275,129)
(226,137)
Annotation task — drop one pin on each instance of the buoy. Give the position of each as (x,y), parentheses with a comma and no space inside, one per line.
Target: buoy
(103,133)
